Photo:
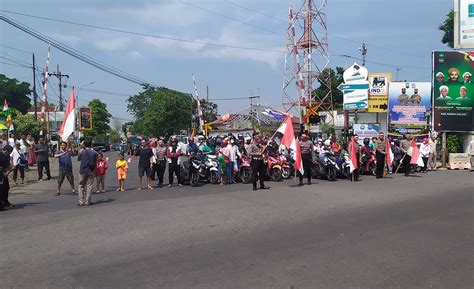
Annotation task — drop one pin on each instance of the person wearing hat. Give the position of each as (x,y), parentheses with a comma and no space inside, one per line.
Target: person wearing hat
(258,167)
(462,99)
(307,156)
(454,75)
(440,77)
(467,77)
(443,98)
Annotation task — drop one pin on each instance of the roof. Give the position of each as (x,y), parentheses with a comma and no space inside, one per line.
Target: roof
(252,114)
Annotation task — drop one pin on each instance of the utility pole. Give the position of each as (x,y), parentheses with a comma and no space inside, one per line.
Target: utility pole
(35,96)
(363,50)
(398,70)
(207,93)
(60,76)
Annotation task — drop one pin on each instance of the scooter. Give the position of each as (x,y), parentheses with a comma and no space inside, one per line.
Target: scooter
(212,165)
(343,166)
(286,166)
(245,171)
(368,165)
(196,169)
(274,168)
(325,168)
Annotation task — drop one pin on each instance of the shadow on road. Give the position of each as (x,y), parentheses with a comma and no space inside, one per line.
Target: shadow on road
(23,205)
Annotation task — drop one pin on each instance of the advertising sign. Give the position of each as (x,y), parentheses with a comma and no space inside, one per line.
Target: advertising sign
(409,104)
(378,91)
(85,118)
(355,87)
(366,130)
(453,91)
(463,24)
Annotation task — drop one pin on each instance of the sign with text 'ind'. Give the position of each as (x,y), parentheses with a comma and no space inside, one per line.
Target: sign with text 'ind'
(378,91)
(355,87)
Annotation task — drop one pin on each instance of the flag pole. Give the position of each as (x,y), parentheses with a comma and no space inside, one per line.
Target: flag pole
(401,161)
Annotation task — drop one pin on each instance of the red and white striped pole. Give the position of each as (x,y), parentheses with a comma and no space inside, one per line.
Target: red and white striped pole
(300,83)
(44,100)
(200,112)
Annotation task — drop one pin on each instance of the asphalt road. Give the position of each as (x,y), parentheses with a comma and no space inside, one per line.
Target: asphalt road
(399,232)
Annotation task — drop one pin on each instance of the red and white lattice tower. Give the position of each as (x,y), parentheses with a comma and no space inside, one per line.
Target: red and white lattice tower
(199,108)
(307,58)
(44,100)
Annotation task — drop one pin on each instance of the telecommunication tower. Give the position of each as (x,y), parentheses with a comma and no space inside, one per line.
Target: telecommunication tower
(307,59)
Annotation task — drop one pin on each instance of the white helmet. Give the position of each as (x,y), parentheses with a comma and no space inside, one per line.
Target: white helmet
(327,142)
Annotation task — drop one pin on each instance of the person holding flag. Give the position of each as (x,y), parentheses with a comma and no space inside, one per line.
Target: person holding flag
(8,117)
(389,154)
(69,122)
(308,157)
(380,154)
(354,156)
(405,145)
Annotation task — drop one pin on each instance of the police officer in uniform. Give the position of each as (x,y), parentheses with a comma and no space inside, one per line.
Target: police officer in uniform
(307,156)
(403,98)
(380,156)
(258,167)
(415,98)
(405,145)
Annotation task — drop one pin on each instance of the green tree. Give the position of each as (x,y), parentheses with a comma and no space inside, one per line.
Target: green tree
(26,124)
(448,28)
(100,121)
(336,79)
(15,92)
(162,111)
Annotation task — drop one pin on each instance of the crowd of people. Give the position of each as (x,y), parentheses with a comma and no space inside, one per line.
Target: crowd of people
(228,154)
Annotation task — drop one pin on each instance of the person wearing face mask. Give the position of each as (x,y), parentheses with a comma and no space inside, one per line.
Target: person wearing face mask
(380,153)
(256,151)
(247,144)
(307,156)
(173,154)
(160,155)
(233,154)
(425,154)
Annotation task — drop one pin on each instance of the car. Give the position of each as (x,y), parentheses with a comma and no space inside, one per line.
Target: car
(100,146)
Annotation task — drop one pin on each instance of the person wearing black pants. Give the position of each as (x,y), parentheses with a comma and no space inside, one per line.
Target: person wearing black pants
(307,156)
(42,159)
(258,167)
(173,153)
(5,168)
(405,145)
(160,155)
(380,156)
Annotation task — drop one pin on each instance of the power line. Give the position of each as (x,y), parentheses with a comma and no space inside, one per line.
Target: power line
(75,53)
(382,64)
(230,18)
(145,34)
(13,48)
(255,11)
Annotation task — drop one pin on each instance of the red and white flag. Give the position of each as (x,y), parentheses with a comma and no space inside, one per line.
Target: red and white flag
(414,152)
(289,140)
(69,122)
(388,149)
(353,155)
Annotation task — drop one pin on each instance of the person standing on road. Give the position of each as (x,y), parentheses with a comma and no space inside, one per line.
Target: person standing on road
(101,167)
(122,169)
(64,157)
(144,164)
(258,167)
(233,154)
(405,145)
(308,157)
(24,149)
(380,156)
(31,150)
(425,153)
(88,159)
(432,157)
(42,159)
(173,153)
(160,156)
(5,169)
(19,162)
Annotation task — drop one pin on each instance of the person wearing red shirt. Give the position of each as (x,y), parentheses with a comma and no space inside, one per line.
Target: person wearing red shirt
(100,169)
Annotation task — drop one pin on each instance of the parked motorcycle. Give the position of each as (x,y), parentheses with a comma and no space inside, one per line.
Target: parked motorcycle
(274,168)
(343,166)
(368,165)
(245,171)
(286,166)
(325,168)
(196,169)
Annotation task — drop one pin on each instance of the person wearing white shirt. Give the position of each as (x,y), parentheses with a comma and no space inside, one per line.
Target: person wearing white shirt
(18,165)
(425,153)
(11,140)
(233,153)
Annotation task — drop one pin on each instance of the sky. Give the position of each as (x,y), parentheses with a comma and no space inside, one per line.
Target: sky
(398,33)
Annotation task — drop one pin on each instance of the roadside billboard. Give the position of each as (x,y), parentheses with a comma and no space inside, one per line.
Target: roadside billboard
(409,105)
(85,118)
(463,24)
(366,130)
(453,90)
(355,87)
(378,91)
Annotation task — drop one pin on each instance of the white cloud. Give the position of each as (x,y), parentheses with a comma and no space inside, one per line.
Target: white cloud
(135,55)
(68,39)
(112,43)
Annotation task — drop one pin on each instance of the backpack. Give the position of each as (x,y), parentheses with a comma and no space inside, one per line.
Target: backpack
(22,161)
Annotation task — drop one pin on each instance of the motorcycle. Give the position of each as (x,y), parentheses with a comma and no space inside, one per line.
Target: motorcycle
(325,168)
(212,165)
(245,171)
(343,166)
(274,168)
(196,169)
(286,166)
(368,165)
